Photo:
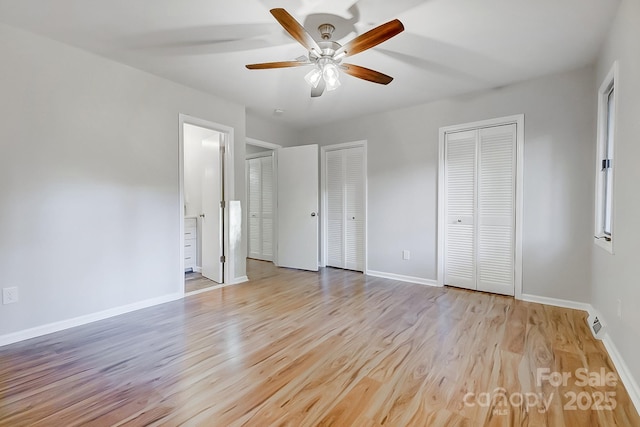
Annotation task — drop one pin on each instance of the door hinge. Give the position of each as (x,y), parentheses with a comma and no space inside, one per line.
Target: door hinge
(223,204)
(606,164)
(223,259)
(222,149)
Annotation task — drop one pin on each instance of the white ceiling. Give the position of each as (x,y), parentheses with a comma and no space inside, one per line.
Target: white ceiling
(449,47)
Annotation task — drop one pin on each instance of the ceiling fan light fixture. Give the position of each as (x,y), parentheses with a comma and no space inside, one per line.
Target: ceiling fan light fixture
(331,76)
(333,85)
(326,56)
(313,77)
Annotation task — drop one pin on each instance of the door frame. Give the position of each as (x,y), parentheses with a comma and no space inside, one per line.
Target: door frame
(228,192)
(274,151)
(323,198)
(518,120)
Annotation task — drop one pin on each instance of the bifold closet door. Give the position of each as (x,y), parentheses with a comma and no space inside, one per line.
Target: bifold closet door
(345,186)
(460,199)
(260,207)
(496,209)
(480,175)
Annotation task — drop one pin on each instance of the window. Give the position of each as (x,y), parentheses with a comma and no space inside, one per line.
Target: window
(605,160)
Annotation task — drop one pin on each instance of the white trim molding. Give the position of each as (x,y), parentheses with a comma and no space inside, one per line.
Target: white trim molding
(228,178)
(518,120)
(629,382)
(556,302)
(83,320)
(238,280)
(611,81)
(624,372)
(263,144)
(403,278)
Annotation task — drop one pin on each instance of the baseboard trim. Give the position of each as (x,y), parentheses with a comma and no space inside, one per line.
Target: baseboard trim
(239,280)
(402,278)
(629,382)
(50,328)
(557,302)
(236,281)
(197,269)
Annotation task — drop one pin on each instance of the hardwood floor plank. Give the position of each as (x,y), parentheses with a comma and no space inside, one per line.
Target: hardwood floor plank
(304,349)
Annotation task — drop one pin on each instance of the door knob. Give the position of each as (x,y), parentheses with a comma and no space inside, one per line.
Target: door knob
(313,214)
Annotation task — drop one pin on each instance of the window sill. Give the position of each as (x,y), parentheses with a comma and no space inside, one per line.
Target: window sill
(604,244)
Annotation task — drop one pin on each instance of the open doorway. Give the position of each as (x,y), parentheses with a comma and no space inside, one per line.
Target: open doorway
(203,195)
(261,199)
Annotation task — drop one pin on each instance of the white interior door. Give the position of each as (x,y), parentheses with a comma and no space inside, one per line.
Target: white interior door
(266,205)
(480,183)
(460,179)
(297,171)
(212,225)
(345,208)
(354,184)
(260,207)
(254,197)
(496,209)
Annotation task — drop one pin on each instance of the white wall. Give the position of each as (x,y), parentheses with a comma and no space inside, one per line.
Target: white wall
(254,149)
(558,185)
(271,130)
(89,189)
(617,277)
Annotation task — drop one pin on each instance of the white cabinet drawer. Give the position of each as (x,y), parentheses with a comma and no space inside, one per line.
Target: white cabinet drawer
(190,227)
(190,241)
(190,248)
(189,263)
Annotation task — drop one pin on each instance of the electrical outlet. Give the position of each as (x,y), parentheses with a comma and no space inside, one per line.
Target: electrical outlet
(10,295)
(406,255)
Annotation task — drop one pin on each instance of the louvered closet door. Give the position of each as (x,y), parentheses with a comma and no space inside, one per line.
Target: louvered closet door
(354,208)
(254,197)
(460,183)
(496,209)
(266,165)
(345,186)
(335,208)
(260,207)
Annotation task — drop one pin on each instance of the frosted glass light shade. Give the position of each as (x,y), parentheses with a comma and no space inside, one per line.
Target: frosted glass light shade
(313,77)
(331,76)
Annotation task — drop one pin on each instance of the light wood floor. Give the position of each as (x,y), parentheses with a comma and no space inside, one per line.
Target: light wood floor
(195,282)
(300,349)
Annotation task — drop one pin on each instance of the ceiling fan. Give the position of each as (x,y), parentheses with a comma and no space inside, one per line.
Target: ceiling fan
(326,56)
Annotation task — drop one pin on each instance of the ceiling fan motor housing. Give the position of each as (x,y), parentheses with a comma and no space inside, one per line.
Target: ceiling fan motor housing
(326,31)
(328,48)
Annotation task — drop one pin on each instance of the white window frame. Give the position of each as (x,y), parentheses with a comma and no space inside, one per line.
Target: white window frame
(606,137)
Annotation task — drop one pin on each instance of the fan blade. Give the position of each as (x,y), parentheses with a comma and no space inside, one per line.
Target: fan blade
(318,90)
(371,38)
(281,64)
(366,74)
(296,30)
